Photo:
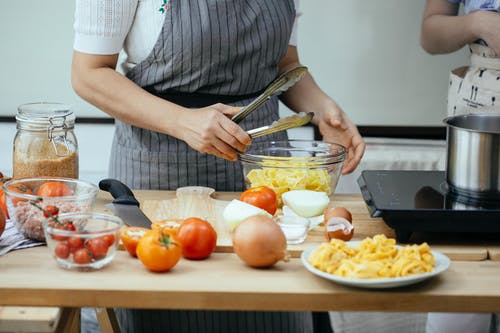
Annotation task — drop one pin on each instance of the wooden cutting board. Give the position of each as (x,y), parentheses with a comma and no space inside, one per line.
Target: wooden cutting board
(364,225)
(164,209)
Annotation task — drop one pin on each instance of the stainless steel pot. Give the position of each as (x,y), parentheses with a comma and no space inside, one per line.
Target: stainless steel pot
(473,155)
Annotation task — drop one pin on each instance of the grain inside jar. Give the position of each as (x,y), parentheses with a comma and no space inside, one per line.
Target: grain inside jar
(45,143)
(45,162)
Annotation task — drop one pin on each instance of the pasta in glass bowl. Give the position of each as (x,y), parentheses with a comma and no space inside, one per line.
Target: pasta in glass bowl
(293,165)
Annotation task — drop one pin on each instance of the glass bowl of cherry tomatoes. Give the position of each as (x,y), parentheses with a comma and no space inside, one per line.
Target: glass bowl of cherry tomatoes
(82,241)
(26,199)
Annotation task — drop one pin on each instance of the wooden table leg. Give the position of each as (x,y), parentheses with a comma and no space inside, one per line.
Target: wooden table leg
(107,320)
(69,322)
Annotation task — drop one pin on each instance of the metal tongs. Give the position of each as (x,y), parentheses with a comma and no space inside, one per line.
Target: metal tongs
(282,124)
(279,85)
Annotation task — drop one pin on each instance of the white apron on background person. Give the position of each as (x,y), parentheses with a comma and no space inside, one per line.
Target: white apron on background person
(476,89)
(207,52)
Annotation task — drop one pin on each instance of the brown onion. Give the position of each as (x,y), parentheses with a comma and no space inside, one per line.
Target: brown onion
(259,242)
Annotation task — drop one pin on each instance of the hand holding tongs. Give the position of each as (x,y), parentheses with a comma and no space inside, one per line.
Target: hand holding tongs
(281,84)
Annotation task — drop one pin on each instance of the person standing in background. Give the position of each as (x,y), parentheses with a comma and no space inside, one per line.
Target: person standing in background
(184,67)
(472,89)
(476,88)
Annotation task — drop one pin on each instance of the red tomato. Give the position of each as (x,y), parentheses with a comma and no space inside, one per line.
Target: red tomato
(57,236)
(98,247)
(55,224)
(262,197)
(82,256)
(74,243)
(110,239)
(50,211)
(130,237)
(159,250)
(62,250)
(198,238)
(54,189)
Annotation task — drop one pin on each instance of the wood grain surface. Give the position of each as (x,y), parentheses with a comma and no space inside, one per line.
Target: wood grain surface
(31,277)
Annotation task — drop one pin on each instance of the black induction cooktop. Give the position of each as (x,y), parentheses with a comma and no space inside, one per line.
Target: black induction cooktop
(420,201)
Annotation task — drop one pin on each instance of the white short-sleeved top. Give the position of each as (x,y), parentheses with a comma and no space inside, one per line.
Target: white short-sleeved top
(132,26)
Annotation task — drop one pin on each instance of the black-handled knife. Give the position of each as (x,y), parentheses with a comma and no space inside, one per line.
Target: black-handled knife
(125,205)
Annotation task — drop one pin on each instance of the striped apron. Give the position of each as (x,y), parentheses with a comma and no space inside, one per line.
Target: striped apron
(208,51)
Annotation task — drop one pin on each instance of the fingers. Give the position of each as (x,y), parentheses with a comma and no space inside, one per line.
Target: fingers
(234,135)
(354,155)
(218,135)
(226,109)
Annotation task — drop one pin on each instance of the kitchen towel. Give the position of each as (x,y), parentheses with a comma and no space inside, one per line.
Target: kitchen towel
(11,239)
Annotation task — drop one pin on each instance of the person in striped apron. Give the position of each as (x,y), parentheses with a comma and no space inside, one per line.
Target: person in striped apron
(171,72)
(472,89)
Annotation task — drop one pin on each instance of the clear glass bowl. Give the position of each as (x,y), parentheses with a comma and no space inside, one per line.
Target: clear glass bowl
(293,165)
(295,228)
(82,241)
(24,205)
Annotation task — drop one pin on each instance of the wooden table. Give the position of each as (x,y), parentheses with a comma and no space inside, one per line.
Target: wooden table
(31,278)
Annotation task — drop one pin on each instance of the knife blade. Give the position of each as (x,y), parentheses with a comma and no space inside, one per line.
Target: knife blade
(125,205)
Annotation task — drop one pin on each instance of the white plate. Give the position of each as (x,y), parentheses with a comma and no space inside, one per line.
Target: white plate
(441,264)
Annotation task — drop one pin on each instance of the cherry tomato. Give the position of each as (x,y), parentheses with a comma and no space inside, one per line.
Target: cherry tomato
(54,189)
(98,247)
(50,211)
(159,250)
(74,243)
(198,238)
(262,197)
(62,250)
(55,225)
(110,239)
(69,226)
(82,256)
(130,237)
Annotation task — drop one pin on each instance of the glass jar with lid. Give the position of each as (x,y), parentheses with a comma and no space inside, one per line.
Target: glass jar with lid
(45,143)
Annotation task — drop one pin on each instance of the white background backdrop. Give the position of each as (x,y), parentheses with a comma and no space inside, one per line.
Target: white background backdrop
(366,54)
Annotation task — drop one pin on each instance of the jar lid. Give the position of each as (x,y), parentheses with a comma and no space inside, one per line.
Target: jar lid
(42,115)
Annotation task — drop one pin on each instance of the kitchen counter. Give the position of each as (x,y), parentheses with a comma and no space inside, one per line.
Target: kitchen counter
(30,277)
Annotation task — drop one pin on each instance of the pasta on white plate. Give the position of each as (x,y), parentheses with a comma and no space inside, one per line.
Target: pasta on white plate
(376,257)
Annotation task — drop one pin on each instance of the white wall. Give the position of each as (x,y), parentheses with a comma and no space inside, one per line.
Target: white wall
(366,54)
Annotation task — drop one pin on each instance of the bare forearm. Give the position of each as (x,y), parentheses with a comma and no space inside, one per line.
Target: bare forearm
(122,99)
(445,34)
